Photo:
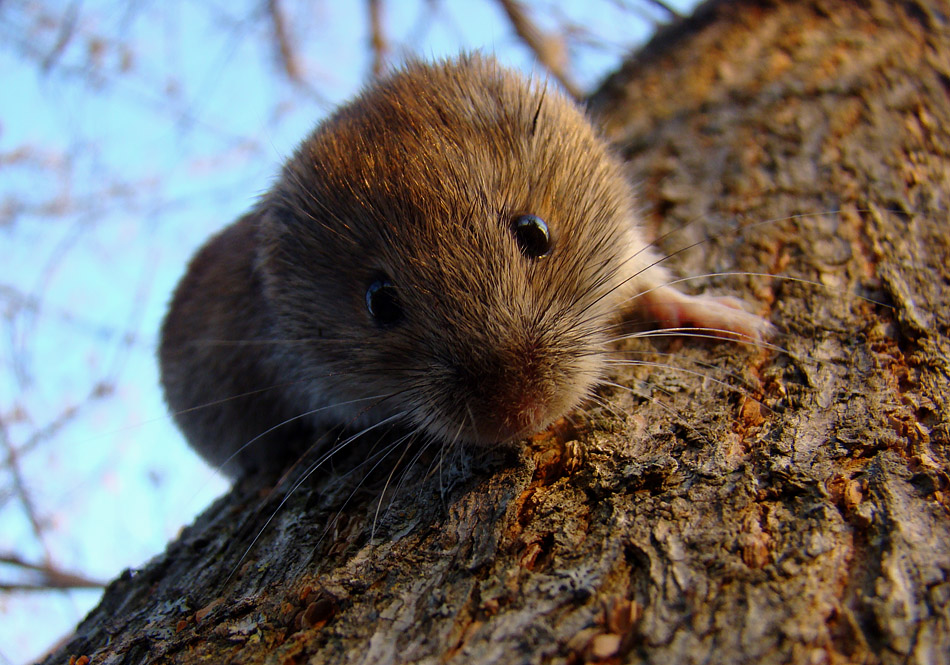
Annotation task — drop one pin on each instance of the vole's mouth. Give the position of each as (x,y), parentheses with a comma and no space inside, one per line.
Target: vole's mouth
(494,423)
(505,393)
(521,417)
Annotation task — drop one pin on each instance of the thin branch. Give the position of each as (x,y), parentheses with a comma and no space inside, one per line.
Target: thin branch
(665,7)
(19,486)
(50,577)
(67,30)
(285,51)
(548,49)
(100,390)
(377,42)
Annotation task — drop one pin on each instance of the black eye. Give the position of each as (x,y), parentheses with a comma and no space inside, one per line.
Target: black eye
(382,302)
(532,235)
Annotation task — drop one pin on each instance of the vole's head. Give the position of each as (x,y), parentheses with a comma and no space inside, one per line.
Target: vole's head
(448,246)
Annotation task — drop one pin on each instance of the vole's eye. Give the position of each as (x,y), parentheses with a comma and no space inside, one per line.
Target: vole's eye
(532,235)
(382,301)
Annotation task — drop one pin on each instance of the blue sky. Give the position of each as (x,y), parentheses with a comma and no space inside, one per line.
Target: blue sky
(115,164)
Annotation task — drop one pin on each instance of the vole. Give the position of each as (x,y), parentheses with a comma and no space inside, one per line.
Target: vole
(450,251)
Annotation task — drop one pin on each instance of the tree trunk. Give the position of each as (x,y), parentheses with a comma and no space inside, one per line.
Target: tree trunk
(801,516)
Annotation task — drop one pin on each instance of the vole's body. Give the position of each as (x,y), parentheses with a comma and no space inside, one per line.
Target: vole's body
(415,185)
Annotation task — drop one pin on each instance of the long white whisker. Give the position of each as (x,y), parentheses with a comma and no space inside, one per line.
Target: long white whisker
(743,273)
(382,494)
(293,419)
(717,334)
(627,362)
(382,455)
(661,405)
(691,372)
(310,471)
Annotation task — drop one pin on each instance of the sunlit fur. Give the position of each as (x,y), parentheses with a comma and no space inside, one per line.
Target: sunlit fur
(418,180)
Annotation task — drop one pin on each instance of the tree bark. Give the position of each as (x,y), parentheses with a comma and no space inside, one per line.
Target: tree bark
(801,516)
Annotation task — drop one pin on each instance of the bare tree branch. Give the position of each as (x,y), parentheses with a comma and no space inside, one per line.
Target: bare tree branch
(285,52)
(665,7)
(19,487)
(548,49)
(377,42)
(67,30)
(50,577)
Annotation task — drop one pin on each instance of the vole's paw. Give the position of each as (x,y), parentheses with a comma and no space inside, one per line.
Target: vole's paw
(723,316)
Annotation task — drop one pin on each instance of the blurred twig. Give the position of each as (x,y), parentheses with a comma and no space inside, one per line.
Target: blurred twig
(549,49)
(12,464)
(49,577)
(377,40)
(101,390)
(665,7)
(67,29)
(285,51)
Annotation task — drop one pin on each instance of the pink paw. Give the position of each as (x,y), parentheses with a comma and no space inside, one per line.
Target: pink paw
(723,316)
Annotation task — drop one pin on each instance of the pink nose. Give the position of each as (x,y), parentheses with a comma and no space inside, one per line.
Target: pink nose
(522,416)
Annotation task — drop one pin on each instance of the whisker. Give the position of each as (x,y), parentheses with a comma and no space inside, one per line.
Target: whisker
(283,423)
(450,446)
(614,362)
(682,370)
(744,273)
(381,455)
(672,412)
(256,342)
(249,393)
(310,471)
(606,405)
(717,334)
(389,477)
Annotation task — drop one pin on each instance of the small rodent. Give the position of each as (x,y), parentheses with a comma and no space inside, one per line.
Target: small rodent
(450,250)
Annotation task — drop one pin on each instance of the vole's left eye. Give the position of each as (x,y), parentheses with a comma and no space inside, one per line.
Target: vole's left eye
(532,235)
(382,301)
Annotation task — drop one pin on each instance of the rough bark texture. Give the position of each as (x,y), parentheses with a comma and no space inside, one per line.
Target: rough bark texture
(802,518)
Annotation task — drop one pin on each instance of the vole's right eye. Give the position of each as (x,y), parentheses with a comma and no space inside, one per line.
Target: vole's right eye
(532,235)
(382,301)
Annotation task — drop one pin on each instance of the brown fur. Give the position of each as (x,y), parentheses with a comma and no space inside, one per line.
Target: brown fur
(418,179)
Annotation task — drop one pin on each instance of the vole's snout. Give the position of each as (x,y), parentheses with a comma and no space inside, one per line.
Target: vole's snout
(511,391)
(525,414)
